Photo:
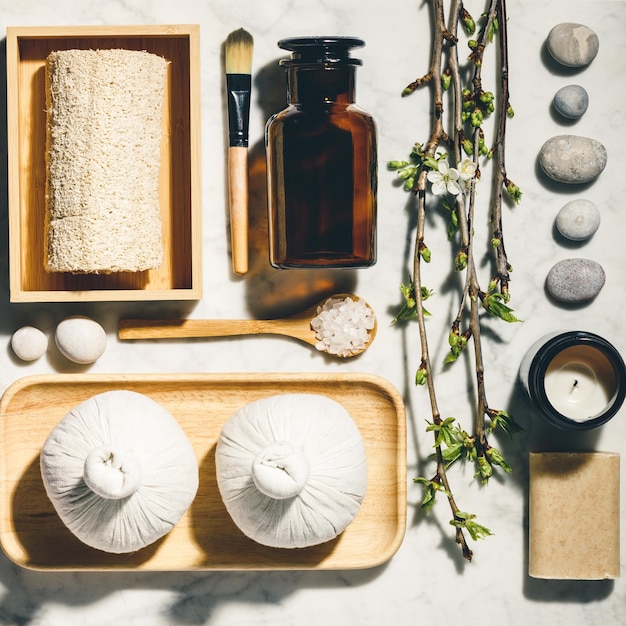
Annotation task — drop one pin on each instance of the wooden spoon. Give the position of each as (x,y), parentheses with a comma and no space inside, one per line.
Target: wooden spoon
(297,326)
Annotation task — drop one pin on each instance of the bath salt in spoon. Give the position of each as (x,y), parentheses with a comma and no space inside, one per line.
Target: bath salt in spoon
(343,325)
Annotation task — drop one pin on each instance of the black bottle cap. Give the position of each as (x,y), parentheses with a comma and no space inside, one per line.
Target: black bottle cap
(320,50)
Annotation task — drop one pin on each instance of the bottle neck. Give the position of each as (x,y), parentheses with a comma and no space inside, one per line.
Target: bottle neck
(316,85)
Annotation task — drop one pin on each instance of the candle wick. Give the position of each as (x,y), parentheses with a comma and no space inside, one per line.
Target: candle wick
(575,382)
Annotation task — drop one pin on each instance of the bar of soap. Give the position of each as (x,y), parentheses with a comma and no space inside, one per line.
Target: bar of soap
(574,515)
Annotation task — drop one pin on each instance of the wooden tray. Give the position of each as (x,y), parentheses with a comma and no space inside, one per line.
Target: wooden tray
(179,277)
(33,536)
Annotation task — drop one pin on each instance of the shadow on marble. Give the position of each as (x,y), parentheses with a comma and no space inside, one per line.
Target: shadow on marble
(557,118)
(554,67)
(198,602)
(564,242)
(567,306)
(557,188)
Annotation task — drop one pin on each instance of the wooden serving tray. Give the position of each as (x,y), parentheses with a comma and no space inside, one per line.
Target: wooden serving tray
(179,277)
(33,536)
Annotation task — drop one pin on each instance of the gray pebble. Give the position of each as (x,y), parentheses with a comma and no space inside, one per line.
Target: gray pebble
(578,220)
(573,45)
(572,159)
(575,280)
(571,101)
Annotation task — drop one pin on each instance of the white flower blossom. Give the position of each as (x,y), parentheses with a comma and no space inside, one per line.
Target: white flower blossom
(467,169)
(443,179)
(467,173)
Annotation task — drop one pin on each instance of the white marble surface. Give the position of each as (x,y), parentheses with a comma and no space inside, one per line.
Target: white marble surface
(426,581)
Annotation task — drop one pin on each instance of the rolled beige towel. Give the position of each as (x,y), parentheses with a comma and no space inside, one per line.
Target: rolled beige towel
(103,141)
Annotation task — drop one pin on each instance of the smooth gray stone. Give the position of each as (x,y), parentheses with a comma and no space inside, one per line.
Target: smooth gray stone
(572,159)
(571,101)
(578,220)
(575,280)
(573,45)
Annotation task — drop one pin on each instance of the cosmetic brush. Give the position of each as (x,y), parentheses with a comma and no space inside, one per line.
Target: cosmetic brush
(238,60)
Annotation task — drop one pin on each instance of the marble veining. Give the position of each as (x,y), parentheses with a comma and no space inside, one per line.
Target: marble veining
(426,581)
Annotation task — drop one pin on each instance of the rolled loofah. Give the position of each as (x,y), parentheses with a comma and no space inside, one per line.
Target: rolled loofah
(103,141)
(119,471)
(291,470)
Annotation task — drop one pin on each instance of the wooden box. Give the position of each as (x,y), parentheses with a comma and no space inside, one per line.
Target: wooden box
(179,277)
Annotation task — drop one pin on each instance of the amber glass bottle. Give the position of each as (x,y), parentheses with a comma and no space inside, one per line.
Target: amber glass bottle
(321,161)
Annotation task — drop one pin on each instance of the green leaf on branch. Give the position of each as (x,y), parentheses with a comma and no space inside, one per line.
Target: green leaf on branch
(504,421)
(493,29)
(460,261)
(408,311)
(444,430)
(495,458)
(514,191)
(430,490)
(452,454)
(469,25)
(458,343)
(485,470)
(421,376)
(431,163)
(446,80)
(454,442)
(466,520)
(495,306)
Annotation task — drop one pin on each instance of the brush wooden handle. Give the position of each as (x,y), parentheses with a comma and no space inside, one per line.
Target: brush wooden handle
(238,193)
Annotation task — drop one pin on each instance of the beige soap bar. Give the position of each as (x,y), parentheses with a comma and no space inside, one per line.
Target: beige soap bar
(574,515)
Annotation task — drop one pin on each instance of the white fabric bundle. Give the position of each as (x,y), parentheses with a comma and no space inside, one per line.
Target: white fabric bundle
(103,142)
(291,469)
(119,471)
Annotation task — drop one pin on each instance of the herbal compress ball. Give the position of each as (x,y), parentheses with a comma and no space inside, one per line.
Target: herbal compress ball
(291,470)
(119,471)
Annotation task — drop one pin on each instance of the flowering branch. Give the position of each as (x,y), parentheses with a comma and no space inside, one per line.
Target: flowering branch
(455,186)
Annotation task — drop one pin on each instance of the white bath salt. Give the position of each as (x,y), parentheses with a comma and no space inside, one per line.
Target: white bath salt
(342,326)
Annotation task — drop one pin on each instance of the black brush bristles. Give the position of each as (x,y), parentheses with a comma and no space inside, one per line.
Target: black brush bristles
(238,61)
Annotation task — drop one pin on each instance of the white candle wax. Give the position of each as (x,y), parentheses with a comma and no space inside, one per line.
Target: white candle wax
(580,383)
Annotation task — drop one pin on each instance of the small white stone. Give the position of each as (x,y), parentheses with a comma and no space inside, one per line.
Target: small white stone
(29,343)
(80,339)
(578,220)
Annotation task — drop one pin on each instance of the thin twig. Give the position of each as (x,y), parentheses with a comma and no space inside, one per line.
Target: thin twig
(451,441)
